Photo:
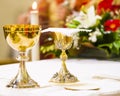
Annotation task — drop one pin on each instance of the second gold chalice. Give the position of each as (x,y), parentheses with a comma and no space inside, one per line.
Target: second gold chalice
(63,42)
(64,38)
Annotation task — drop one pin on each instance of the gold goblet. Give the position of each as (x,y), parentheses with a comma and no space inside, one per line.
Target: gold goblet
(22,38)
(63,42)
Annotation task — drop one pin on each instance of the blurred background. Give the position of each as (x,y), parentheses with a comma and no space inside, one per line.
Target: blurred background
(60,13)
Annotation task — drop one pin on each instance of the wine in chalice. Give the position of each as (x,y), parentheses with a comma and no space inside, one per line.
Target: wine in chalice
(22,38)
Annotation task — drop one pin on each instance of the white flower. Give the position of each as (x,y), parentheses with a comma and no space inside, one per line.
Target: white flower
(93,36)
(75,40)
(92,17)
(84,20)
(93,21)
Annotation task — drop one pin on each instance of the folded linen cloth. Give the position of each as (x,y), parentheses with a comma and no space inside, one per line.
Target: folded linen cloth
(65,31)
(106,76)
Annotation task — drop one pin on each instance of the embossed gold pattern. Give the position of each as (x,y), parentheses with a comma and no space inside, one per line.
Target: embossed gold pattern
(63,43)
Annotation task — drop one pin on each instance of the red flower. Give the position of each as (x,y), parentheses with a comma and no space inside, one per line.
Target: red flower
(112,25)
(115,7)
(104,5)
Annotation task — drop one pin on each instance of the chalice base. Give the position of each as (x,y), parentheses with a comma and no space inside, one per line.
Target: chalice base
(64,78)
(20,83)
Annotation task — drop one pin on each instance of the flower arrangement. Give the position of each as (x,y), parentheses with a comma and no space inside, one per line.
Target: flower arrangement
(104,22)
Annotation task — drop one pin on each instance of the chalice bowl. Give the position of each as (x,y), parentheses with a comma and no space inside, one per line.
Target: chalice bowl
(22,38)
(63,42)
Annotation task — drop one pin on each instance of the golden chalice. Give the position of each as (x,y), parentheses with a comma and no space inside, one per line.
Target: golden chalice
(22,38)
(63,42)
(64,39)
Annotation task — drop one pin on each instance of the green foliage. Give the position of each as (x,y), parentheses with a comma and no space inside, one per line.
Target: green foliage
(73,24)
(106,40)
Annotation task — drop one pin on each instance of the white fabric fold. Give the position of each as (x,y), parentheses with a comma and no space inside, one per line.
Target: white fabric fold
(66,31)
(106,76)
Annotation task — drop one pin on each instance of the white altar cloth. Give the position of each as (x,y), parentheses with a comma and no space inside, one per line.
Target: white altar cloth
(41,71)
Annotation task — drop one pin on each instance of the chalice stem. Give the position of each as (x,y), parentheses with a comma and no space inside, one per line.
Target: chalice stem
(22,71)
(63,76)
(22,79)
(64,57)
(22,68)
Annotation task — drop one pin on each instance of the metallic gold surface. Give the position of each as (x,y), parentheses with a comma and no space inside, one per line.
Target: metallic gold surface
(63,43)
(22,38)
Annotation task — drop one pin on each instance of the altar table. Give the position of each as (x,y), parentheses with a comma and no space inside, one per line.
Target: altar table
(84,69)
